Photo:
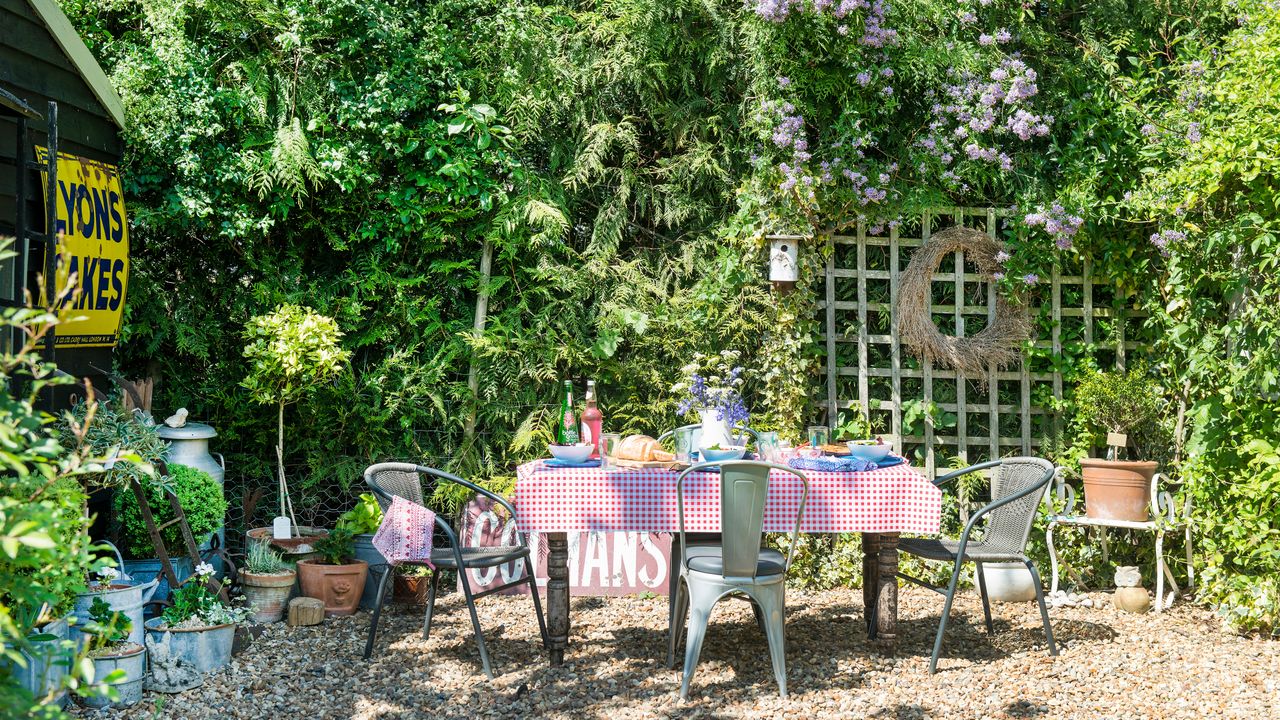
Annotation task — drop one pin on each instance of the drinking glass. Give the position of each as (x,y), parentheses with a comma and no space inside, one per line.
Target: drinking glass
(818,435)
(608,444)
(684,443)
(767,444)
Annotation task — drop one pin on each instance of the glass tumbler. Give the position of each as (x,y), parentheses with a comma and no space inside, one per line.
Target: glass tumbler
(608,445)
(818,435)
(683,438)
(767,444)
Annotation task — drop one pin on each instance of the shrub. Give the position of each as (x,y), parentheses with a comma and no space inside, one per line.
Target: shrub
(113,428)
(1127,402)
(200,497)
(336,548)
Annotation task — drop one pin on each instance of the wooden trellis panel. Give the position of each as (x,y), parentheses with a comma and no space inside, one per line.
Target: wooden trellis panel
(884,378)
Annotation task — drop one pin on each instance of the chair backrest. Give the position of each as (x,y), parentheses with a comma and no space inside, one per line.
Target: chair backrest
(1008,526)
(388,480)
(744,489)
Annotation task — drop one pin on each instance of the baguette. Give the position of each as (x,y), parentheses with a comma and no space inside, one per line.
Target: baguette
(641,448)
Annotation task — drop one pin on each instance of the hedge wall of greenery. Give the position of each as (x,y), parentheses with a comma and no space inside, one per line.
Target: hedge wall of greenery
(622,158)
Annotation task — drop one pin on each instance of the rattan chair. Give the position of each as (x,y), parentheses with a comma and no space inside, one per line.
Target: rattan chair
(388,480)
(737,566)
(1017,489)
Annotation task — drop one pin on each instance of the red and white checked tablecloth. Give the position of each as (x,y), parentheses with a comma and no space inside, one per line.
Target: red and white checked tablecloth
(889,500)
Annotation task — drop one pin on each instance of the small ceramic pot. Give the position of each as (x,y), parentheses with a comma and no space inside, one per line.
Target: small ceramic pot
(267,594)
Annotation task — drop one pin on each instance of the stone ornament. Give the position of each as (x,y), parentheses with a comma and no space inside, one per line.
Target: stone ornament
(1130,596)
(169,673)
(178,419)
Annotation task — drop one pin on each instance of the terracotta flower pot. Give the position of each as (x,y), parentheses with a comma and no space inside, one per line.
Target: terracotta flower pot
(1117,489)
(337,586)
(267,594)
(411,589)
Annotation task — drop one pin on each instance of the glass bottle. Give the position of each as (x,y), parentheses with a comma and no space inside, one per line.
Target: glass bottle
(592,421)
(567,431)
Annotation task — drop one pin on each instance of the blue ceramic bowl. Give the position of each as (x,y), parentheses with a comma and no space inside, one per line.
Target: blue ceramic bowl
(733,452)
(874,453)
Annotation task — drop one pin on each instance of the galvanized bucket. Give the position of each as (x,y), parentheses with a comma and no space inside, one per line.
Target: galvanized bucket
(134,665)
(206,648)
(126,596)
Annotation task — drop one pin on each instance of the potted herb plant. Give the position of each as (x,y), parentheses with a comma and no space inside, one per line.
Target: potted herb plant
(202,502)
(1121,410)
(201,628)
(290,350)
(336,577)
(266,582)
(363,521)
(117,660)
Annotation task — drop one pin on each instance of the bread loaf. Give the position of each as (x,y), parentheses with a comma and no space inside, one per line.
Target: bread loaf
(641,448)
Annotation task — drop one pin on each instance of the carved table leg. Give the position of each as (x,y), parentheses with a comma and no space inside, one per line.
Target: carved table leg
(870,580)
(887,592)
(558,595)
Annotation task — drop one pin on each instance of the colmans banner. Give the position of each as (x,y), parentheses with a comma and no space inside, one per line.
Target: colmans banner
(93,245)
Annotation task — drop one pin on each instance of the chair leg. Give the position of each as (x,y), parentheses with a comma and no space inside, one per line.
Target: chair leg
(986,602)
(700,604)
(377,611)
(772,602)
(1044,610)
(942,622)
(679,611)
(537,603)
(475,625)
(431,604)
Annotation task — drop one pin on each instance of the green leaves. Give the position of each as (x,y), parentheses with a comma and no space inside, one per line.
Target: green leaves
(290,350)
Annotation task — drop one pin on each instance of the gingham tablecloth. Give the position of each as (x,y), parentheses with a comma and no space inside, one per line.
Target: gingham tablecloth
(889,500)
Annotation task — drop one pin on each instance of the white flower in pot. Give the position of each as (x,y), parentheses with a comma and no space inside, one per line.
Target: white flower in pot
(199,626)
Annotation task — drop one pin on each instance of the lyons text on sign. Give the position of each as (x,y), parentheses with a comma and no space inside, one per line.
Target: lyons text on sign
(93,245)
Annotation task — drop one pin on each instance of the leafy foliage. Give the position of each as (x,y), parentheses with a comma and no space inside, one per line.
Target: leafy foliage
(200,497)
(1128,402)
(364,518)
(338,547)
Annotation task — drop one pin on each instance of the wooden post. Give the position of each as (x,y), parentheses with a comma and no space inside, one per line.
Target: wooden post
(558,595)
(887,592)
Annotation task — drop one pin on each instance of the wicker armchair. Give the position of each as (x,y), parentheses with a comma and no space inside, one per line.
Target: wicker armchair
(389,480)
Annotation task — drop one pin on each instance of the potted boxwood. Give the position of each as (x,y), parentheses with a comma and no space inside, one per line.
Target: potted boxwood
(201,627)
(363,521)
(117,660)
(202,502)
(290,350)
(266,582)
(1109,405)
(336,577)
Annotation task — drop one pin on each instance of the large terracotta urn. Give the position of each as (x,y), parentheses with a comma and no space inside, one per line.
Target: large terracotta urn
(1117,489)
(338,586)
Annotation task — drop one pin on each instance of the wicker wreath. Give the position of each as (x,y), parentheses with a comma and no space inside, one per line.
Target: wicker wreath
(998,344)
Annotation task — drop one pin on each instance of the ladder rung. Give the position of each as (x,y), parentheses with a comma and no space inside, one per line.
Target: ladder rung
(171,523)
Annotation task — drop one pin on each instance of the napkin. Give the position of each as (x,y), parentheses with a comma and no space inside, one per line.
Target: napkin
(829,463)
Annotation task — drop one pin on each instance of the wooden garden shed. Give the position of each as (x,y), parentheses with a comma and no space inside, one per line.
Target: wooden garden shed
(60,140)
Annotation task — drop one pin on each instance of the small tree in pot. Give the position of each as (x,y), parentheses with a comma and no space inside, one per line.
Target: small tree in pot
(1120,403)
(266,581)
(336,578)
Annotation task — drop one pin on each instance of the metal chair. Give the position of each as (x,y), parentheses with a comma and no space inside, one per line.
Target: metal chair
(1017,489)
(737,566)
(388,480)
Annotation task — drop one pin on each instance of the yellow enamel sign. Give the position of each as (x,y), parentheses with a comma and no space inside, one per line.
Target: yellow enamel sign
(93,245)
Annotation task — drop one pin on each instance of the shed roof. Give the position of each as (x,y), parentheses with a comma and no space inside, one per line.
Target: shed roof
(69,40)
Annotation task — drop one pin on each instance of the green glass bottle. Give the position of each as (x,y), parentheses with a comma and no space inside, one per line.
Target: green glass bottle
(567,431)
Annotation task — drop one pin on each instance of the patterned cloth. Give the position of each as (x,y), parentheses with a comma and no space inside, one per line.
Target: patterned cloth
(406,532)
(886,500)
(831,463)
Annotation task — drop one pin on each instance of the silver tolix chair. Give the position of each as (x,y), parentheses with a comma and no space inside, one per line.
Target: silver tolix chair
(389,480)
(1017,488)
(735,566)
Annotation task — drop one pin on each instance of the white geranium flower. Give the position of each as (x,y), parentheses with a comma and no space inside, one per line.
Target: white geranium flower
(107,574)
(204,569)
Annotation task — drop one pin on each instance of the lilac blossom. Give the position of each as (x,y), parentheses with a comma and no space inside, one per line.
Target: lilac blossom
(986,40)
(1163,239)
(1030,279)
(1148,129)
(1060,225)
(1193,133)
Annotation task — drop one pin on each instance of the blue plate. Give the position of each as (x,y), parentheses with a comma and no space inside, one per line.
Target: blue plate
(557,463)
(890,461)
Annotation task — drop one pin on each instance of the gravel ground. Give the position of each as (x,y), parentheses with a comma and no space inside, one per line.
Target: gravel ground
(1112,665)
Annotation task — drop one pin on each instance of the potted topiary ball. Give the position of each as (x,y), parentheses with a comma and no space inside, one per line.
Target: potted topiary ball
(266,582)
(336,577)
(202,502)
(1126,407)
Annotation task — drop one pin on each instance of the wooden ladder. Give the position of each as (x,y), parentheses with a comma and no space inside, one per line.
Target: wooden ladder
(179,519)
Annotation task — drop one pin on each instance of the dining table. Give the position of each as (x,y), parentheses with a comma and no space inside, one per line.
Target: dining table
(880,504)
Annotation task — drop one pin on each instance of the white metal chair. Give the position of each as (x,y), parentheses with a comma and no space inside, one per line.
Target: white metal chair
(736,566)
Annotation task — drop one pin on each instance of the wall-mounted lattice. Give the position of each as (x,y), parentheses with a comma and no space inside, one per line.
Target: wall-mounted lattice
(934,413)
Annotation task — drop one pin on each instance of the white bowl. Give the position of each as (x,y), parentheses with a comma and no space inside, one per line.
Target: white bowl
(571,453)
(724,454)
(874,453)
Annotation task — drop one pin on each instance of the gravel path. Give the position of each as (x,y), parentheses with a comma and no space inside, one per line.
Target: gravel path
(1112,665)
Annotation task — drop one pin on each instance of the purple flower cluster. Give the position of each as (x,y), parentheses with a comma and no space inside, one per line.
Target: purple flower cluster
(978,111)
(1163,239)
(723,398)
(874,34)
(1061,225)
